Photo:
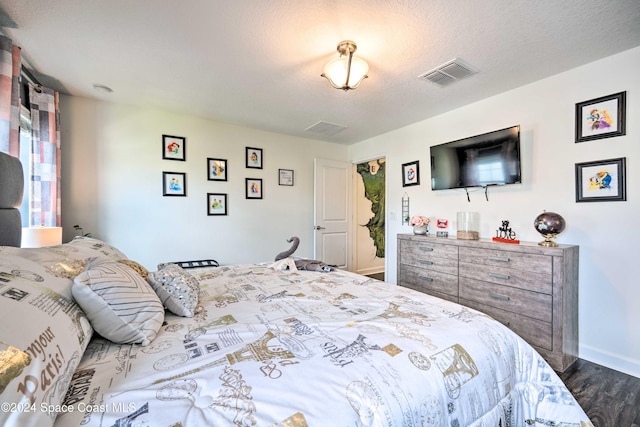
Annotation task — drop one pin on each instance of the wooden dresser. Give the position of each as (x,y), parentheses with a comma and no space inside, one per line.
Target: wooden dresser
(530,288)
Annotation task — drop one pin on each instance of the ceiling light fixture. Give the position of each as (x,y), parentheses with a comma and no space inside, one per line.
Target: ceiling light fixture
(347,71)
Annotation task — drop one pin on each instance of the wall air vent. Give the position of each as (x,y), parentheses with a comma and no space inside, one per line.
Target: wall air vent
(325,128)
(448,73)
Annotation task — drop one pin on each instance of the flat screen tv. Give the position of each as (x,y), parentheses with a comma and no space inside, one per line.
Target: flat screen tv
(492,158)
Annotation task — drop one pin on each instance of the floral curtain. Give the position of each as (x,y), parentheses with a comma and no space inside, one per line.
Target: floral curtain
(10,63)
(44,187)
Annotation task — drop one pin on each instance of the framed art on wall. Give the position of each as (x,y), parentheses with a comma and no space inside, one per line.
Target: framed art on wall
(216,169)
(254,157)
(285,177)
(174,184)
(601,117)
(174,147)
(601,181)
(253,188)
(216,203)
(411,173)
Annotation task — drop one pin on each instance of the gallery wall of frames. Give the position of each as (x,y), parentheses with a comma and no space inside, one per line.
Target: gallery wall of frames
(174,183)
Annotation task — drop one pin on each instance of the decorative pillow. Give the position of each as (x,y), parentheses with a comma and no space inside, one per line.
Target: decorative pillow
(91,247)
(121,306)
(42,338)
(177,289)
(68,260)
(143,272)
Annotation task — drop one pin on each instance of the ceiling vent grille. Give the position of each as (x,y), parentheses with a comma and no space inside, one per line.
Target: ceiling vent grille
(325,128)
(448,73)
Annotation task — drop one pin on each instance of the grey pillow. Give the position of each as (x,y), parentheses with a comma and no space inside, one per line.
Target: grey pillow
(177,289)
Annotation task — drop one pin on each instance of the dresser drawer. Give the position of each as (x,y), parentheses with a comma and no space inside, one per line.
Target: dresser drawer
(533,331)
(507,259)
(427,247)
(537,282)
(514,300)
(431,256)
(428,280)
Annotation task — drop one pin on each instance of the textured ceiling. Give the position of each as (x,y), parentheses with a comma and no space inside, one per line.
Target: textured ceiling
(257,63)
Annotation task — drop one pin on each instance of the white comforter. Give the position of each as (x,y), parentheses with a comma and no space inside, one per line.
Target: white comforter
(280,348)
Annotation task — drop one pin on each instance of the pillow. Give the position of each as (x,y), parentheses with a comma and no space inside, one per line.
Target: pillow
(177,289)
(121,306)
(42,338)
(68,260)
(90,247)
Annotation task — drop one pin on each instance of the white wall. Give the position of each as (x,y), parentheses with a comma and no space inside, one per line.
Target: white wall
(607,232)
(112,185)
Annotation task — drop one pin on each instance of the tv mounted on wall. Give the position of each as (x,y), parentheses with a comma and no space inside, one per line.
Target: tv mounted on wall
(492,158)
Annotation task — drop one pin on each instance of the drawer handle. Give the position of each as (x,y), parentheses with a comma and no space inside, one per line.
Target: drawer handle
(428,279)
(499,297)
(424,249)
(499,259)
(499,276)
(425,262)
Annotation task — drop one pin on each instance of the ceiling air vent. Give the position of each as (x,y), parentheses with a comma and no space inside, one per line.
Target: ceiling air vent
(325,128)
(448,73)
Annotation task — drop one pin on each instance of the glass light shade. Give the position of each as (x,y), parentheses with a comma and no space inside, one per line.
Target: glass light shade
(337,69)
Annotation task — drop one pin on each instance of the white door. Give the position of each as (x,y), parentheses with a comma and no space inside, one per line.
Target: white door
(332,210)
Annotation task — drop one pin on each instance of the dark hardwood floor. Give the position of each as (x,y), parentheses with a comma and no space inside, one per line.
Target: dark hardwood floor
(610,398)
(377,276)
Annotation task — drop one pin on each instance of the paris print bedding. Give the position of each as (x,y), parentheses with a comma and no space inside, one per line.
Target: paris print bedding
(272,347)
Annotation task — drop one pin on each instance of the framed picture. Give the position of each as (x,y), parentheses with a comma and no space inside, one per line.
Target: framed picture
(174,147)
(253,188)
(216,169)
(285,177)
(174,184)
(254,157)
(601,117)
(601,181)
(216,203)
(411,173)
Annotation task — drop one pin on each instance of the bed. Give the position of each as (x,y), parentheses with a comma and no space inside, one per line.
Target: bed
(89,337)
(252,345)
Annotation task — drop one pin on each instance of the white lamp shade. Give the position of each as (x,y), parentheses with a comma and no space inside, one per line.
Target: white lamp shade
(37,237)
(336,72)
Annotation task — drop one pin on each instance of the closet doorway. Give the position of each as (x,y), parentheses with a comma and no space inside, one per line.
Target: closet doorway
(369,180)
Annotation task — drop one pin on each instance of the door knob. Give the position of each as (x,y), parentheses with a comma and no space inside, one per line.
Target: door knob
(317,227)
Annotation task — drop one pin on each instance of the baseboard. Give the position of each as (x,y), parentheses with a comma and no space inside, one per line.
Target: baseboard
(611,360)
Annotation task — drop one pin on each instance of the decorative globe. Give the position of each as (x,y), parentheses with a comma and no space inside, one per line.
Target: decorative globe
(549,224)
